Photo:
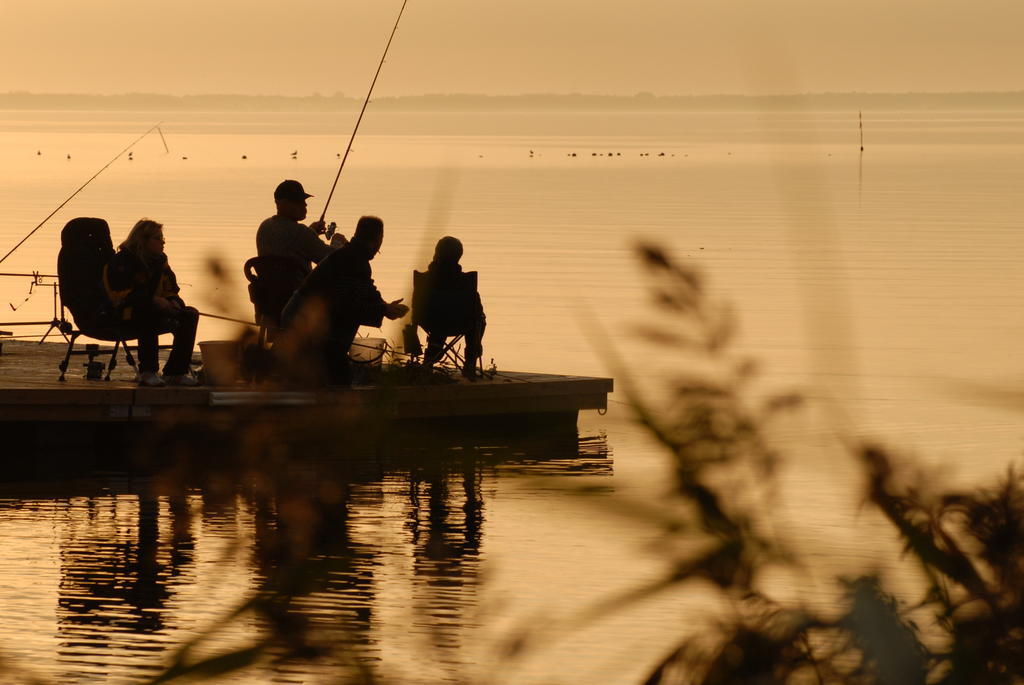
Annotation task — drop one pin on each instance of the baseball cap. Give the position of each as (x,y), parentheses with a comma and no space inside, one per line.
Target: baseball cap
(290,190)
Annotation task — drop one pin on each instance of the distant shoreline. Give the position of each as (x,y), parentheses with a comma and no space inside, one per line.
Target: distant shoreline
(460,102)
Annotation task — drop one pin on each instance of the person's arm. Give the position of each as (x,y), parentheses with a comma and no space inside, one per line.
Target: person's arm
(375,309)
(310,246)
(121,281)
(115,281)
(395,309)
(478,308)
(358,300)
(370,307)
(168,293)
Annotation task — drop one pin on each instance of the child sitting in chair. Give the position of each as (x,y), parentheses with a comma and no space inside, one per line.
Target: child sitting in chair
(449,305)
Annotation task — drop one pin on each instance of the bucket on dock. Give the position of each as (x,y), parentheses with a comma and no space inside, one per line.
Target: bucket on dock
(221,361)
(367,351)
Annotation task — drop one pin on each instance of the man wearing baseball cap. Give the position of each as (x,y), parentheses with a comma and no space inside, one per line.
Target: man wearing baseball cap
(282,234)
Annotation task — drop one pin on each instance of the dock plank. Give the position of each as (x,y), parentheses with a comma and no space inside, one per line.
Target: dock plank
(30,391)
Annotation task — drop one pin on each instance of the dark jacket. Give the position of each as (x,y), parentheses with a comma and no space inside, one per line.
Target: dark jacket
(344,280)
(131,282)
(445,275)
(451,300)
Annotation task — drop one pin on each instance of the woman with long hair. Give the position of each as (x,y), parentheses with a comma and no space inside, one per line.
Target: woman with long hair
(145,291)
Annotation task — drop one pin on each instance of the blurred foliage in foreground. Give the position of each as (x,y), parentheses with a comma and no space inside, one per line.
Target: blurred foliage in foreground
(966,627)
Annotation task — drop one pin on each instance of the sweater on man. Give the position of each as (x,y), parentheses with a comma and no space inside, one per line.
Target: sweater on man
(281,237)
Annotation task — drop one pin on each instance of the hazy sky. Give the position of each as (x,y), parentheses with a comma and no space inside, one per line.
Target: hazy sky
(298,47)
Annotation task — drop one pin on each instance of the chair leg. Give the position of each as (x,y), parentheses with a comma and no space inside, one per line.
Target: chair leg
(113,360)
(63,366)
(450,354)
(128,356)
(458,359)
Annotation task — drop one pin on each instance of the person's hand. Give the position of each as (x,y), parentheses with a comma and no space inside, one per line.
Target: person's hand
(318,227)
(395,310)
(337,240)
(163,304)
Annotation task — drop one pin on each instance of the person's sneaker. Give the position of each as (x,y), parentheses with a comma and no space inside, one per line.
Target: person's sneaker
(149,379)
(181,380)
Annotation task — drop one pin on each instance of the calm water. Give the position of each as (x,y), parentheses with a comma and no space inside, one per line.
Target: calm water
(885,286)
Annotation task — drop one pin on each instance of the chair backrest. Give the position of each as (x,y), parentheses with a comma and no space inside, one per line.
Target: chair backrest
(449,307)
(85,248)
(272,281)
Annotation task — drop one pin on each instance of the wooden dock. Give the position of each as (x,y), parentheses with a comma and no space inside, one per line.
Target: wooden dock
(30,392)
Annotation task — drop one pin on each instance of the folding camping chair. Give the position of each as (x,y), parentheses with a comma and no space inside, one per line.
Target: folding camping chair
(85,249)
(448,311)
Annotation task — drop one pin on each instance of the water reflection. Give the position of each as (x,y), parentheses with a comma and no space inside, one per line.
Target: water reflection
(344,553)
(444,520)
(116,576)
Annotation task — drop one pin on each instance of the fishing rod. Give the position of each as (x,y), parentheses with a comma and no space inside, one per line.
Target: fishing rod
(34,274)
(228,318)
(360,118)
(80,189)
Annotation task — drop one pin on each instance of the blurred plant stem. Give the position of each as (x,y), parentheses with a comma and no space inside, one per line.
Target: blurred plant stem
(970,546)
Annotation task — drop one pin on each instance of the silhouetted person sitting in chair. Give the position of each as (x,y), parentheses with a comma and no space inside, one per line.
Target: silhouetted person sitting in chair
(335,299)
(145,293)
(446,303)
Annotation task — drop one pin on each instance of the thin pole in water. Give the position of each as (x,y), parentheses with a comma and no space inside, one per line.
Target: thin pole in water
(80,189)
(365,102)
(860,159)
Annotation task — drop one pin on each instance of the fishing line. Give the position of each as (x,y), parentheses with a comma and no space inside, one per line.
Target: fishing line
(360,118)
(31,291)
(80,189)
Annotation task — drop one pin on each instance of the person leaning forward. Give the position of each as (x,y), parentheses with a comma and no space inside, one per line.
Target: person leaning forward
(338,297)
(282,234)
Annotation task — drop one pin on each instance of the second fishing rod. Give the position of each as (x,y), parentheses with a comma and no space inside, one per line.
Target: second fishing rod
(362,111)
